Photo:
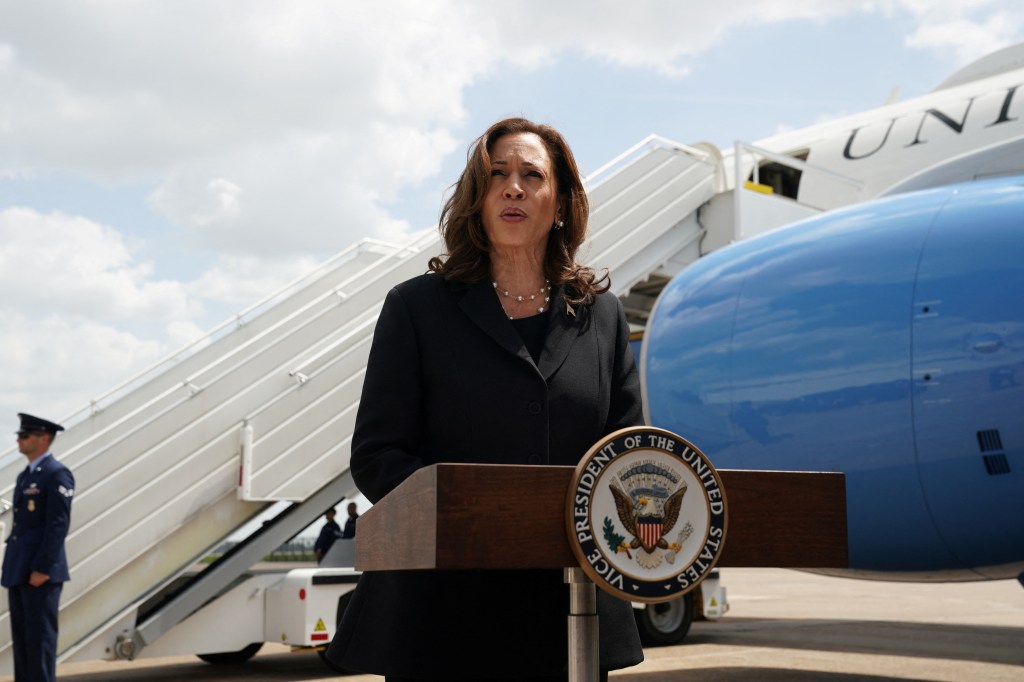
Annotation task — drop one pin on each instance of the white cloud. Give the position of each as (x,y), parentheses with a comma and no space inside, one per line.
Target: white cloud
(968,39)
(303,194)
(967,29)
(268,131)
(241,281)
(286,128)
(224,197)
(669,37)
(83,314)
(68,265)
(80,313)
(272,127)
(54,365)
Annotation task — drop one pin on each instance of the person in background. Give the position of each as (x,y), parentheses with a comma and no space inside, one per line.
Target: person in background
(330,532)
(350,524)
(507,351)
(35,566)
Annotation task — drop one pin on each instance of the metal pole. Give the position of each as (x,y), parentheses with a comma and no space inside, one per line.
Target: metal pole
(583,641)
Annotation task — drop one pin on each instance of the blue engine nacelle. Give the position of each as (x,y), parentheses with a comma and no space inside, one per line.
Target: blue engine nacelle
(885,341)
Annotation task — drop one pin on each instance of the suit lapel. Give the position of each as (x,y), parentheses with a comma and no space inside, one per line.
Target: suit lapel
(482,307)
(564,324)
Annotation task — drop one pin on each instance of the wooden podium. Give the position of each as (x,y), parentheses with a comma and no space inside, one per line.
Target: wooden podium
(491,516)
(484,516)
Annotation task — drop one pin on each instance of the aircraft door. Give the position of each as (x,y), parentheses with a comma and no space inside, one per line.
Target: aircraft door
(968,376)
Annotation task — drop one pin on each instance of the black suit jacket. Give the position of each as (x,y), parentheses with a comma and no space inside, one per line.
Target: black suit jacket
(449,380)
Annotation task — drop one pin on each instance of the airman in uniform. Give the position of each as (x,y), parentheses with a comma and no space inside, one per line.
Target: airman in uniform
(35,566)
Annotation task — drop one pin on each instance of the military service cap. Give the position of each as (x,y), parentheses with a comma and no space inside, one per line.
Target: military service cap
(30,424)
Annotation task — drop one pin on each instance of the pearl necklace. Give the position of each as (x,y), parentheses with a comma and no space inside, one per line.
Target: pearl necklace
(543,291)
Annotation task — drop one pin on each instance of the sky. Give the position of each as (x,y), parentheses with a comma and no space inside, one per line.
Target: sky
(164,165)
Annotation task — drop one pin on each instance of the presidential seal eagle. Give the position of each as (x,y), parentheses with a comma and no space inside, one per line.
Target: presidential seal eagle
(648,525)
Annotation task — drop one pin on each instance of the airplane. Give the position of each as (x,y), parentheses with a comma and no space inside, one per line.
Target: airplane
(259,413)
(880,334)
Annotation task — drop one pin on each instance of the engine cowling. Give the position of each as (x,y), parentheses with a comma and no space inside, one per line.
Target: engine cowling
(885,341)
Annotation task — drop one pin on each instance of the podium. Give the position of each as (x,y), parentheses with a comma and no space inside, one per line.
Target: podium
(495,516)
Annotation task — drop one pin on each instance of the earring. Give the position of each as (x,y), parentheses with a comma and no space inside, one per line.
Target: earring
(560,224)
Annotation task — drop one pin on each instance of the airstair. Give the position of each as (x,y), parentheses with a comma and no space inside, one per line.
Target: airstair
(261,411)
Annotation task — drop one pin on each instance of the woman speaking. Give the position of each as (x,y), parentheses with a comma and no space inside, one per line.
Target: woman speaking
(507,352)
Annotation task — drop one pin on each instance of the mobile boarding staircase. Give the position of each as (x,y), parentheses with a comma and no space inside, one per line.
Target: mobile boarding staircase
(261,411)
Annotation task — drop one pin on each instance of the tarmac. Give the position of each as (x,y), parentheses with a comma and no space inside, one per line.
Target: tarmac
(782,625)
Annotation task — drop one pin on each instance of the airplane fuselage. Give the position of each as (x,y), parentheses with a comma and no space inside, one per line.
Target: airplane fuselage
(886,341)
(886,147)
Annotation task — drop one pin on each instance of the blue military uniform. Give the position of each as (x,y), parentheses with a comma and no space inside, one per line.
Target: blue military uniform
(330,532)
(350,528)
(42,514)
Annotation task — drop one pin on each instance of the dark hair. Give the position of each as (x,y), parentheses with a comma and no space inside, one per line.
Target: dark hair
(468,250)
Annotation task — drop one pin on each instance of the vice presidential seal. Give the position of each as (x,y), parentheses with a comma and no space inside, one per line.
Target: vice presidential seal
(646,514)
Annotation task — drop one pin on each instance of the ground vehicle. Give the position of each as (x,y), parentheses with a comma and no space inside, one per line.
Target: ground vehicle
(668,623)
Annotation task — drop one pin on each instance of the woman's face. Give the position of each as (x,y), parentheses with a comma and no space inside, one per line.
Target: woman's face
(522,202)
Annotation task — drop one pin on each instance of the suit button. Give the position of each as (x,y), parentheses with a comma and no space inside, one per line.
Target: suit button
(534,458)
(533,408)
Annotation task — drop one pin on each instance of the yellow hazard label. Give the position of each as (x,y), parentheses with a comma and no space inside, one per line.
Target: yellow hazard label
(714,602)
(320,627)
